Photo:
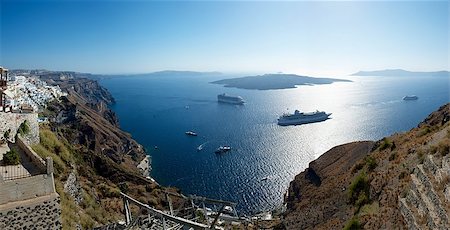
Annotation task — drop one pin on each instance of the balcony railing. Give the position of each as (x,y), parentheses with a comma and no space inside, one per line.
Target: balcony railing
(13,172)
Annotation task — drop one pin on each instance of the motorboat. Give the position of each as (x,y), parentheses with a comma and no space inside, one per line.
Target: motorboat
(223,149)
(191,133)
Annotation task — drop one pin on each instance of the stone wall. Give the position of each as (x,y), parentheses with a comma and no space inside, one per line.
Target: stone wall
(38,213)
(32,155)
(12,121)
(26,188)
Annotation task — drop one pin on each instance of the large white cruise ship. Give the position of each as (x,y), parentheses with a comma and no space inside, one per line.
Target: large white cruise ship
(299,118)
(224,98)
(410,98)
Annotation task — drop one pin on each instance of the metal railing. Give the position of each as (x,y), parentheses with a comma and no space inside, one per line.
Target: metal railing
(195,215)
(13,172)
(167,221)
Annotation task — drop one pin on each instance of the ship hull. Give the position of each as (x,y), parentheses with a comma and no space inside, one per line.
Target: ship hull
(410,98)
(230,102)
(302,121)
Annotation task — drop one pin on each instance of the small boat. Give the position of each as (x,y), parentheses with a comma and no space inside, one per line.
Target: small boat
(191,133)
(223,149)
(410,98)
(156,147)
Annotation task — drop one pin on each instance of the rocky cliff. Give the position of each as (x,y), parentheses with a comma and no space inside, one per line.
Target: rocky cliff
(94,159)
(401,181)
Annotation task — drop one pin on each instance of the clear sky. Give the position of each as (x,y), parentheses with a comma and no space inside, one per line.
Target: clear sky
(315,38)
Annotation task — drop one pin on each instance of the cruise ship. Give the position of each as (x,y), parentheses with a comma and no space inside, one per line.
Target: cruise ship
(299,118)
(410,98)
(225,98)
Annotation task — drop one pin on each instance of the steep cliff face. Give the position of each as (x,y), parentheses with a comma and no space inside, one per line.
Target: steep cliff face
(400,181)
(318,195)
(94,158)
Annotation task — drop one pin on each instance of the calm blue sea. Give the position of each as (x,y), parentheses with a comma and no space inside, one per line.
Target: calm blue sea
(157,110)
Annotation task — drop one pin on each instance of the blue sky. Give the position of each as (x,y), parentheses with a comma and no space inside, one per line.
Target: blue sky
(315,38)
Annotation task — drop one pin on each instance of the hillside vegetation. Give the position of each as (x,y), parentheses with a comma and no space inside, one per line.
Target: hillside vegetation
(400,181)
(93,159)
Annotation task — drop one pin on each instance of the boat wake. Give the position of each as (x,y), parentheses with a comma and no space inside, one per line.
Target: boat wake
(200,147)
(375,103)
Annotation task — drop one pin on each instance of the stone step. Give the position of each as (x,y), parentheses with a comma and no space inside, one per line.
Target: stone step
(432,196)
(408,214)
(430,166)
(447,193)
(414,201)
(446,164)
(417,187)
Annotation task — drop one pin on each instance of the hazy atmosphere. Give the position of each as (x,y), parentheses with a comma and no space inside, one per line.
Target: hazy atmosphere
(313,38)
(243,115)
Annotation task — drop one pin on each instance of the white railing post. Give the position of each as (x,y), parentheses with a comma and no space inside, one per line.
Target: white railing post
(49,166)
(126,210)
(164,222)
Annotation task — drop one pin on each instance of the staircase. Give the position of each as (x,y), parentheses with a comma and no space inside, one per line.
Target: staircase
(426,205)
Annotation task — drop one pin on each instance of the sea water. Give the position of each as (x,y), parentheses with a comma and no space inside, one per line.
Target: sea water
(158,109)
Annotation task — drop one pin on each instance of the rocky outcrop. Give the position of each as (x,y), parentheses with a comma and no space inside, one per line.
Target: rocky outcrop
(72,188)
(319,194)
(425,205)
(144,166)
(406,176)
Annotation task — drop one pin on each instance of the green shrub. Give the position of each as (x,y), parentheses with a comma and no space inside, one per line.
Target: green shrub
(443,147)
(353,224)
(385,143)
(393,156)
(358,166)
(11,157)
(362,199)
(359,189)
(109,191)
(60,166)
(433,149)
(424,131)
(69,209)
(371,163)
(402,175)
(420,156)
(393,146)
(123,187)
(24,128)
(54,145)
(6,134)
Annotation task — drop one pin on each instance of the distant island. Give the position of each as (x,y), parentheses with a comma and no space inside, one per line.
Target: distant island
(274,81)
(401,72)
(167,73)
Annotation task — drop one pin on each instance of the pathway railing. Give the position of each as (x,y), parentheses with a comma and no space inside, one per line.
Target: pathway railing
(169,219)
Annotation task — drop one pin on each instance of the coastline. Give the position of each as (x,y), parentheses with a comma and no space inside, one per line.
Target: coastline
(145,166)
